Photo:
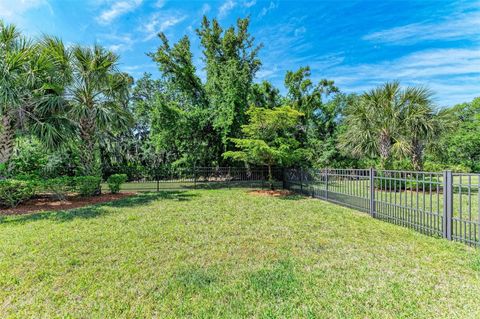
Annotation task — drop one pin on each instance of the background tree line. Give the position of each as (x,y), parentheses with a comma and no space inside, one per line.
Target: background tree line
(69,110)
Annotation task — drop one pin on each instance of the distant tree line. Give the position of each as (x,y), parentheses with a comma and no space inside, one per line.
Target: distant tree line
(71,111)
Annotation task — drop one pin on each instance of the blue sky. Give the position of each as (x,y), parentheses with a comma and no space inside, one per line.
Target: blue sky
(359,44)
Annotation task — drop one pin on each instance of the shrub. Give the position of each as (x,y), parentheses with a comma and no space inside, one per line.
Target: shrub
(13,192)
(59,187)
(88,185)
(389,184)
(428,184)
(438,167)
(115,181)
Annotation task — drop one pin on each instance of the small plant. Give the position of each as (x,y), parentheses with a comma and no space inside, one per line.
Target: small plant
(88,185)
(13,192)
(115,181)
(59,187)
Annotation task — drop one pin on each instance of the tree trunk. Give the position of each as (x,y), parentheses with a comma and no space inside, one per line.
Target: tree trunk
(87,149)
(385,145)
(7,137)
(417,156)
(270,177)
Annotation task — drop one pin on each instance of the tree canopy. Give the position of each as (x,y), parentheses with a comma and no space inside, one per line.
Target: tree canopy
(70,110)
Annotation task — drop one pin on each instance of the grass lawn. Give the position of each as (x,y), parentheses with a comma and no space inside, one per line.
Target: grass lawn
(227,253)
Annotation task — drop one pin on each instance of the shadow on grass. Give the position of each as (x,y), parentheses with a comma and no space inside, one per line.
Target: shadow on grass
(292,197)
(231,184)
(147,197)
(96,210)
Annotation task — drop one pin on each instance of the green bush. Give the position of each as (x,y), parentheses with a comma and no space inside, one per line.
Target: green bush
(386,183)
(59,187)
(427,184)
(88,185)
(438,167)
(13,192)
(115,181)
(389,184)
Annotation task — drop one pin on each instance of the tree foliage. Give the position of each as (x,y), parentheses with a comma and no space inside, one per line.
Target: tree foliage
(390,121)
(71,111)
(269,138)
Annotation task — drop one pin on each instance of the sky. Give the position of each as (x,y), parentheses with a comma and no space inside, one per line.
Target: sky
(358,44)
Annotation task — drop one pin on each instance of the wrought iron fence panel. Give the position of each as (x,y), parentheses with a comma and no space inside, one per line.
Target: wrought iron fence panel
(443,204)
(465,223)
(206,177)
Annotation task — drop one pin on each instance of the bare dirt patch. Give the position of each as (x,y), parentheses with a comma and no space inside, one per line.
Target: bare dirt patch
(268,192)
(48,204)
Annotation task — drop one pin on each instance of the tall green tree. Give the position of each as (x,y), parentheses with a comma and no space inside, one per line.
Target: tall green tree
(264,94)
(182,122)
(97,96)
(33,76)
(460,143)
(305,95)
(192,120)
(231,62)
(322,105)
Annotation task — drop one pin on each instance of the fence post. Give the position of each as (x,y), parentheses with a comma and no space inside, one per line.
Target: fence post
(447,204)
(158,184)
(372,192)
(301,180)
(284,182)
(326,184)
(194,177)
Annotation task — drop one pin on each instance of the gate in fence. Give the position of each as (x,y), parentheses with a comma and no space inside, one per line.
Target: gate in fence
(438,204)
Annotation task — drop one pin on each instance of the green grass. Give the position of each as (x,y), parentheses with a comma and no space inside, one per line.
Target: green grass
(229,254)
(421,210)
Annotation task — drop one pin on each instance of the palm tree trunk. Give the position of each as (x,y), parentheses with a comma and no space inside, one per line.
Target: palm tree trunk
(7,136)
(385,145)
(87,151)
(417,156)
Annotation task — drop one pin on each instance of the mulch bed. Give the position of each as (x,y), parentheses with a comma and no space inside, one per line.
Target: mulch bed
(274,193)
(48,204)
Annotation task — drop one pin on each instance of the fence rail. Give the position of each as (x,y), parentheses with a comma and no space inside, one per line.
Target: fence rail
(206,177)
(442,204)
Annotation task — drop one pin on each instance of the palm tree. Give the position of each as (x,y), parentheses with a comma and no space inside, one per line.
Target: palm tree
(97,94)
(32,81)
(423,124)
(373,123)
(390,120)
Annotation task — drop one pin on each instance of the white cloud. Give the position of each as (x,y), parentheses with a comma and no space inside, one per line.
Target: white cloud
(160,22)
(117,9)
(205,9)
(449,72)
(119,43)
(225,8)
(12,10)
(265,73)
(270,7)
(160,3)
(462,26)
(248,4)
(299,31)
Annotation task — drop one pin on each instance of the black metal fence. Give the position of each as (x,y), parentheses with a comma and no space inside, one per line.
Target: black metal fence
(206,177)
(442,204)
